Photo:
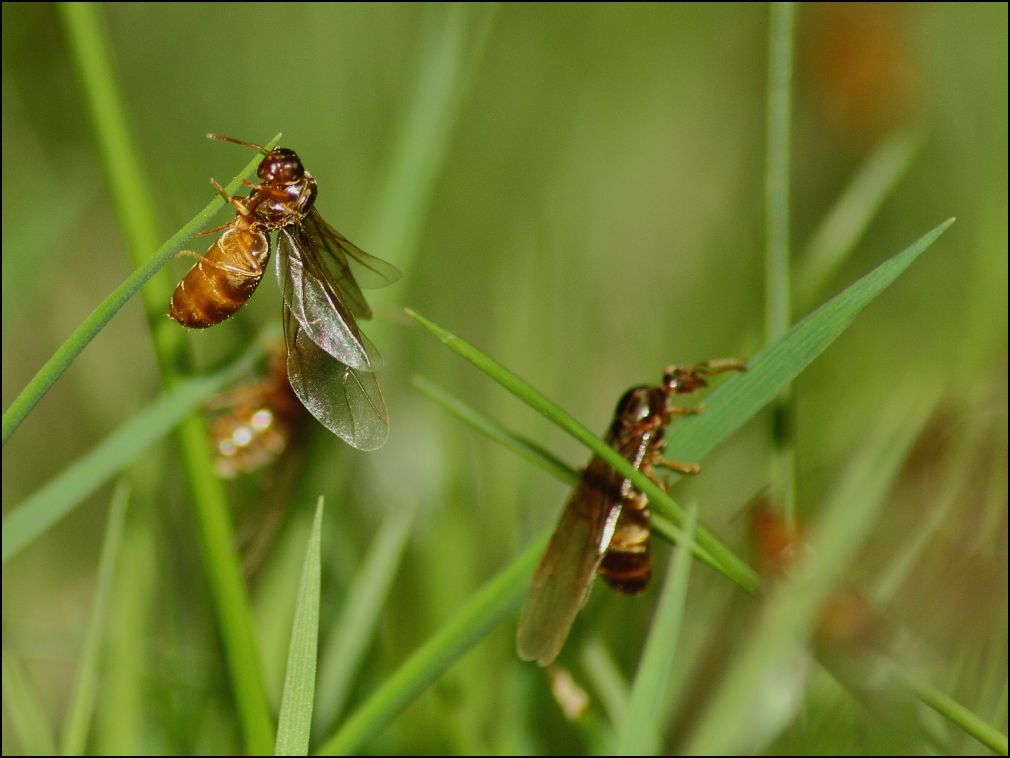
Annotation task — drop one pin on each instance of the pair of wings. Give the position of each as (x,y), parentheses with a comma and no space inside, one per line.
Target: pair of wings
(561,583)
(331,363)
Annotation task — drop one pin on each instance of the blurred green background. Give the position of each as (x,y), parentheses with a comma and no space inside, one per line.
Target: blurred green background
(578,190)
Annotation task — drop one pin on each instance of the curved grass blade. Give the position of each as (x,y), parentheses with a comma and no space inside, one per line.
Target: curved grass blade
(949,708)
(482,613)
(536,454)
(739,398)
(453,40)
(134,206)
(57,498)
(294,725)
(731,405)
(798,347)
(844,225)
(345,647)
(607,679)
(638,733)
(53,368)
(82,701)
(27,716)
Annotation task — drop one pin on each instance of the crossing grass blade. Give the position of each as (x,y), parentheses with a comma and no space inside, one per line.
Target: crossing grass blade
(82,700)
(730,406)
(294,725)
(64,492)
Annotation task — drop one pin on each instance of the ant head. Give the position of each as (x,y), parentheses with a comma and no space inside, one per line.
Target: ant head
(281,166)
(678,380)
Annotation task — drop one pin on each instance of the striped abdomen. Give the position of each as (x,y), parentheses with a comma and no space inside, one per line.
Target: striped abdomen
(627,566)
(221,282)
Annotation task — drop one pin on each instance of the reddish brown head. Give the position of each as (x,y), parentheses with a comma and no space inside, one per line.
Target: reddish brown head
(281,166)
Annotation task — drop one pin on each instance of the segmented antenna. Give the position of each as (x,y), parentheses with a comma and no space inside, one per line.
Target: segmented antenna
(219,138)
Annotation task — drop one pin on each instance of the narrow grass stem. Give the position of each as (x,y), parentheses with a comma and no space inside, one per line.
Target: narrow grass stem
(135,208)
(778,277)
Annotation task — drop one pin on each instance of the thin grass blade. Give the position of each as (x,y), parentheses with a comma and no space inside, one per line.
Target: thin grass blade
(950,709)
(74,345)
(607,678)
(536,454)
(474,620)
(453,40)
(294,725)
(82,700)
(58,497)
(26,714)
(731,405)
(836,237)
(345,646)
(778,263)
(639,732)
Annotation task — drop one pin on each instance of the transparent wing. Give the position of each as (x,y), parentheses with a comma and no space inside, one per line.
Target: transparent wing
(317,303)
(561,583)
(368,271)
(345,400)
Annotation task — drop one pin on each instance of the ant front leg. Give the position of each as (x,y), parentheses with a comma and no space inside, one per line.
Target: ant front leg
(233,200)
(689,469)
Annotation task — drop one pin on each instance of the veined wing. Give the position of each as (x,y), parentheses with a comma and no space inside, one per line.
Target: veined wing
(369,272)
(345,400)
(561,583)
(317,303)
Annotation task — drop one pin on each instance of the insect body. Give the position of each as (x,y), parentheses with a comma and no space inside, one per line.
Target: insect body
(226,276)
(605,524)
(330,362)
(253,423)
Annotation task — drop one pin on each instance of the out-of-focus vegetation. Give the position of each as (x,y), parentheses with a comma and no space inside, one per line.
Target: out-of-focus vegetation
(579,192)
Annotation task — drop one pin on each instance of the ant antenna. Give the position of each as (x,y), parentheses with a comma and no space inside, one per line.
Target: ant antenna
(219,138)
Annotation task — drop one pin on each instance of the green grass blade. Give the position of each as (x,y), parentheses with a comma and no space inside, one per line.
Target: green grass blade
(732,722)
(607,679)
(133,202)
(57,498)
(778,265)
(134,205)
(294,726)
(841,229)
(739,398)
(949,708)
(27,715)
(725,560)
(53,368)
(537,455)
(345,646)
(453,39)
(732,404)
(640,731)
(779,107)
(480,614)
(82,700)
(525,448)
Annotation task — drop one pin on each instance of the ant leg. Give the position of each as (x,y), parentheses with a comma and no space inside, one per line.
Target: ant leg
(234,201)
(215,230)
(204,260)
(719,366)
(680,468)
(690,410)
